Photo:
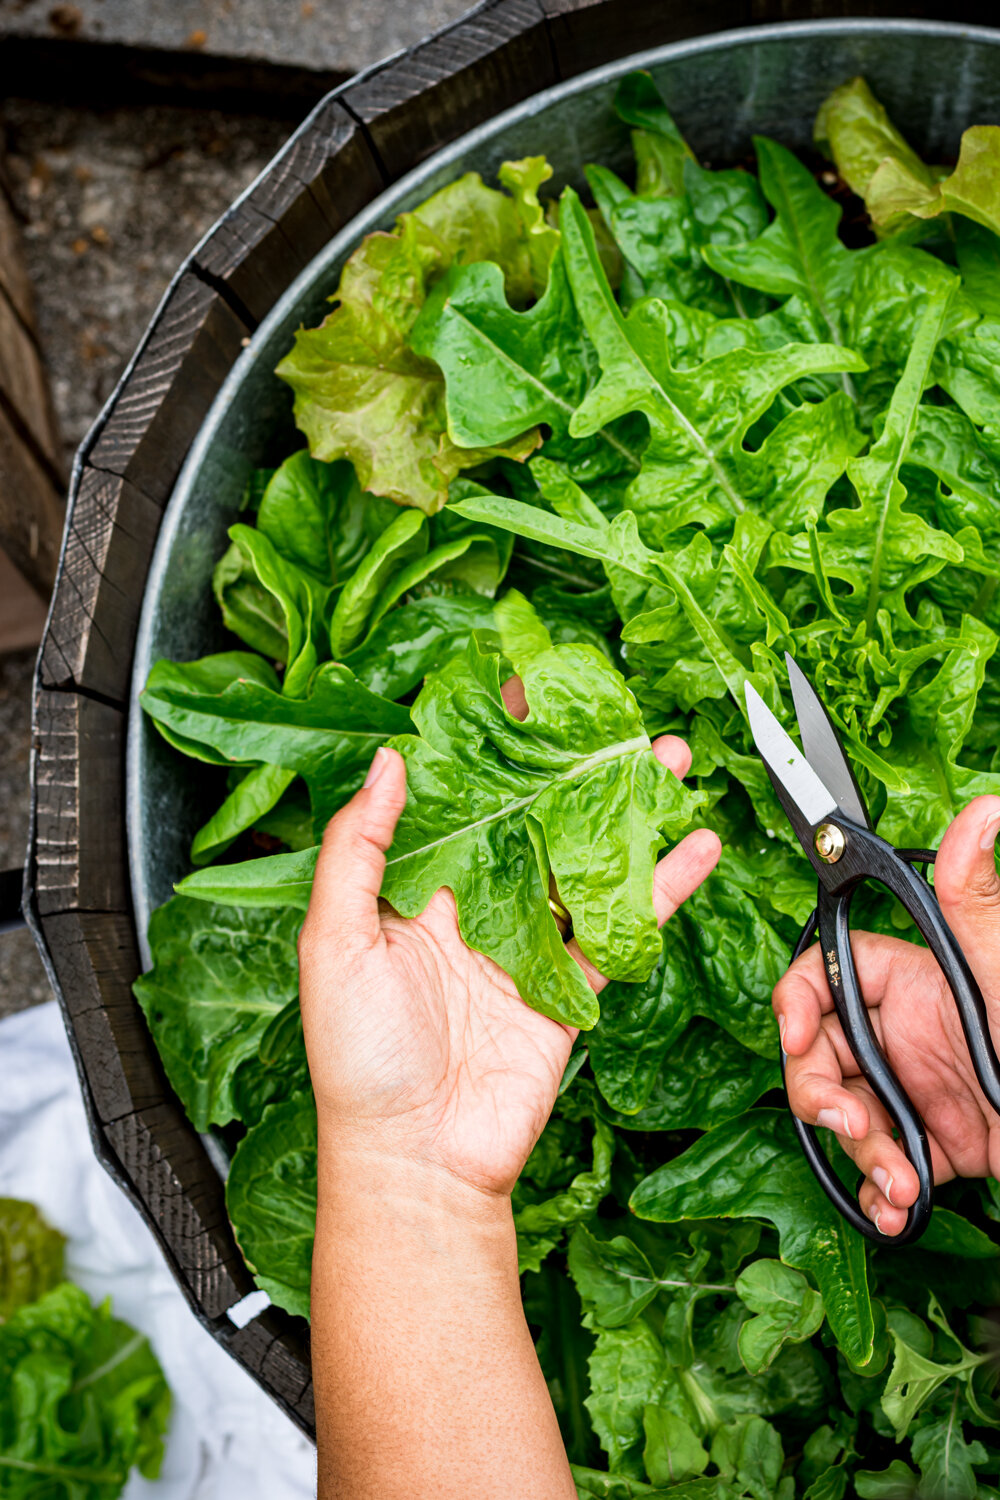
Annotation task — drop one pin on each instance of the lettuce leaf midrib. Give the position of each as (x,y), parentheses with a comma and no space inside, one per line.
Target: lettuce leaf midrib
(618,751)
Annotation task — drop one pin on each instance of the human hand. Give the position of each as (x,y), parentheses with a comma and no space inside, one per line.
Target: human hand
(420,1049)
(916,1020)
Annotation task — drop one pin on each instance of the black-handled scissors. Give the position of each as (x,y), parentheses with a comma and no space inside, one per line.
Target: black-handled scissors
(824,805)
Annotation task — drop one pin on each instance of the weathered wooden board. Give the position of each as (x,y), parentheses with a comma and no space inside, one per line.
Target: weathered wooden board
(31,468)
(78,779)
(31,506)
(587,33)
(155,412)
(13,273)
(324,175)
(110,534)
(414,103)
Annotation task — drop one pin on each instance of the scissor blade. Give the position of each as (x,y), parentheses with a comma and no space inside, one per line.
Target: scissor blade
(786,762)
(823,749)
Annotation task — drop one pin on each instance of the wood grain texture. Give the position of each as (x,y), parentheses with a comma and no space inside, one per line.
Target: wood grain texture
(13,274)
(24,386)
(323,176)
(156,412)
(111,533)
(98,962)
(31,506)
(78,783)
(275,1349)
(183,1202)
(587,33)
(415,103)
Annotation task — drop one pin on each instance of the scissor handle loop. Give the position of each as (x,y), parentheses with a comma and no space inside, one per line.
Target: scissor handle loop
(870,857)
(909,1122)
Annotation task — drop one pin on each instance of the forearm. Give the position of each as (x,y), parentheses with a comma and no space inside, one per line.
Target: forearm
(427,1383)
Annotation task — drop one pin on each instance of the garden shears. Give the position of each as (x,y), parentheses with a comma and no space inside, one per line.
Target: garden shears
(821,798)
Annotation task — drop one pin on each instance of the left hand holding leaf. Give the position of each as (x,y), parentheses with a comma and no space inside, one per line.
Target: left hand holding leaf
(419,1046)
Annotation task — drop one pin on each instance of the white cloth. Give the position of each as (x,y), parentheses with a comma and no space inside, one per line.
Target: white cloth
(227,1439)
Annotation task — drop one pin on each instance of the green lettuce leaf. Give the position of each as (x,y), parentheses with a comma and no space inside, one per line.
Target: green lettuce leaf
(699,417)
(271,1200)
(361,392)
(328,736)
(754,1166)
(83,1400)
(576,783)
(31,1255)
(220,974)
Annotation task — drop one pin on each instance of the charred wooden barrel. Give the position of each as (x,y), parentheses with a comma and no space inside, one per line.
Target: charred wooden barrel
(357,142)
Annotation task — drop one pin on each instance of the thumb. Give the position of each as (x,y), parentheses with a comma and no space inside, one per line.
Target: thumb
(967,886)
(343,907)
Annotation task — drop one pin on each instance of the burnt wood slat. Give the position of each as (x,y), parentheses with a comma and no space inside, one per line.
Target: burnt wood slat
(79,854)
(156,411)
(419,101)
(318,182)
(587,33)
(110,535)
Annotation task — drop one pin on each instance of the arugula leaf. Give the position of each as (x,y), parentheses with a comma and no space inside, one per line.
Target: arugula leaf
(798,254)
(699,417)
(31,1255)
(753,1166)
(271,1200)
(83,1400)
(914,1377)
(220,974)
(947,1462)
(506,371)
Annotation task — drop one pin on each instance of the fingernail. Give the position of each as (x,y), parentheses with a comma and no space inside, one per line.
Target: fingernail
(836,1120)
(875,1214)
(991,827)
(883,1181)
(781,1031)
(377,766)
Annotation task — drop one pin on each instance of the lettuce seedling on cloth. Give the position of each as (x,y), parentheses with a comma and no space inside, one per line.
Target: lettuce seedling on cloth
(31,1255)
(83,1400)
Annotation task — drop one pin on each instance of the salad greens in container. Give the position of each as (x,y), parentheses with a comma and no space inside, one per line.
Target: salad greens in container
(633,450)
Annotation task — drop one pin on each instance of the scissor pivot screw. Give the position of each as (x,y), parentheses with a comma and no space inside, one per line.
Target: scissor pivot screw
(831,842)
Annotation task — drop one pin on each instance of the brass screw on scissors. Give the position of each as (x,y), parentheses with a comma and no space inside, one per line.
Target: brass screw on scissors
(830,842)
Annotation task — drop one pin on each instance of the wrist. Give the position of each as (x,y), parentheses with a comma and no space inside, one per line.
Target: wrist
(368,1183)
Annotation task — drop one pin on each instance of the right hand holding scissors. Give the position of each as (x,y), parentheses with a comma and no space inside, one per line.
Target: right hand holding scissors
(915,1019)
